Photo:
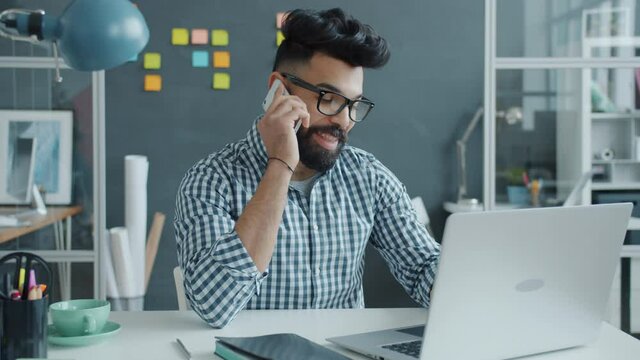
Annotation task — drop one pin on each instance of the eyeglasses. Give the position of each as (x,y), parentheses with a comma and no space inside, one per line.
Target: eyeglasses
(331,103)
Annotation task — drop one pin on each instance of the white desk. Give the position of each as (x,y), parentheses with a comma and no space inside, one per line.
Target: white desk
(152,334)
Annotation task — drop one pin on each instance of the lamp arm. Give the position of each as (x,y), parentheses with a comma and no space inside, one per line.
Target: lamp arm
(461,146)
(472,125)
(462,169)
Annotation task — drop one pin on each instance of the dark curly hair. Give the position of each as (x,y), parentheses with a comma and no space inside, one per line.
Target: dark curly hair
(331,32)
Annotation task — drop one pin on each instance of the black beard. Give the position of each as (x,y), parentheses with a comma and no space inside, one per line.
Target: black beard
(315,156)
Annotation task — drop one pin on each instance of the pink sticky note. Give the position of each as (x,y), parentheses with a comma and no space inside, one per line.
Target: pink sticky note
(279,19)
(199,37)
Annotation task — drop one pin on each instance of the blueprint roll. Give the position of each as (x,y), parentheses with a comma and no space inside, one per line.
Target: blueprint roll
(136,170)
(123,264)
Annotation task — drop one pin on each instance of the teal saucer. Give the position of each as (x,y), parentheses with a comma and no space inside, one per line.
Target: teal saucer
(110,328)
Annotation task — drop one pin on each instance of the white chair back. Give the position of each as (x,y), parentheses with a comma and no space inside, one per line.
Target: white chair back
(179,280)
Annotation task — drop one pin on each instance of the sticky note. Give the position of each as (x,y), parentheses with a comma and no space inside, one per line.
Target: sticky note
(221,59)
(179,36)
(219,37)
(152,60)
(280,18)
(279,38)
(200,59)
(152,83)
(221,81)
(199,37)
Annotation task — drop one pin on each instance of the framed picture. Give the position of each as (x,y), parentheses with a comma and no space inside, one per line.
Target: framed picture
(52,134)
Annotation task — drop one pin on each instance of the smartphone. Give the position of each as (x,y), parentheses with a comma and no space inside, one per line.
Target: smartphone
(269,99)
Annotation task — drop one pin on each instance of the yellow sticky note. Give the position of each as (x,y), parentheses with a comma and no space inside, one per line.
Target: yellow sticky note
(221,81)
(152,60)
(152,83)
(219,37)
(221,59)
(179,36)
(279,38)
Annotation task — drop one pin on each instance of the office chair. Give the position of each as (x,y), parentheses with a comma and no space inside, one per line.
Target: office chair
(179,280)
(421,211)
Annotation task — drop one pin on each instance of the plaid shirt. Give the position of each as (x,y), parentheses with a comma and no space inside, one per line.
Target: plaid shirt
(318,259)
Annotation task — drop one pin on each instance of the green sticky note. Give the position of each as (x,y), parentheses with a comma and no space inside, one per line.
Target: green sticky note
(221,81)
(219,37)
(279,38)
(179,36)
(152,60)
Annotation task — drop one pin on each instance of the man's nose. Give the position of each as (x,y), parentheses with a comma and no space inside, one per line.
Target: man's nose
(342,119)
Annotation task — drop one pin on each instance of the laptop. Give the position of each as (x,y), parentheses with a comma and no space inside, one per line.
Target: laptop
(512,283)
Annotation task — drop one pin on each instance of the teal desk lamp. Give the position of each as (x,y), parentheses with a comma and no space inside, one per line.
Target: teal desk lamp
(90,34)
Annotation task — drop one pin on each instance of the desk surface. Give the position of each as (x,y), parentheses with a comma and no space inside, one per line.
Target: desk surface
(152,334)
(54,214)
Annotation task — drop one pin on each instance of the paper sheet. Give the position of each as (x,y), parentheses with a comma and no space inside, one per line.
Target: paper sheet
(135,214)
(122,262)
(107,266)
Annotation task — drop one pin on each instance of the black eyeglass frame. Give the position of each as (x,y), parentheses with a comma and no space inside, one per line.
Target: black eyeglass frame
(321,92)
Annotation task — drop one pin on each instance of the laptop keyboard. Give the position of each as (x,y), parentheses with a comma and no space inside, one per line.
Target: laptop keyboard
(410,348)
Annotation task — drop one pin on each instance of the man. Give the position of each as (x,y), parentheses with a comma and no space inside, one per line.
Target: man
(281,219)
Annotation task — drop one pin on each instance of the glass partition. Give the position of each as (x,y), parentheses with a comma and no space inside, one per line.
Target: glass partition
(560,28)
(538,138)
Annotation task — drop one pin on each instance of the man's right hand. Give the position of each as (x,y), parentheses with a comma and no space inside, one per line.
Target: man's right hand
(277,126)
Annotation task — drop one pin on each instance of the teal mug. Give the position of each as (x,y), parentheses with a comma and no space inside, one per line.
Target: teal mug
(79,317)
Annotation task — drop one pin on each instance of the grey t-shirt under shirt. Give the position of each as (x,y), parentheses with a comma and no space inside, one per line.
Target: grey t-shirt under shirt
(305,186)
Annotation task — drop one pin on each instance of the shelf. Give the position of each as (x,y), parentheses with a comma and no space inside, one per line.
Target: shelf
(618,161)
(615,186)
(616,116)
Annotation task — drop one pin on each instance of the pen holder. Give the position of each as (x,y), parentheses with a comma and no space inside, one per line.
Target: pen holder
(23,332)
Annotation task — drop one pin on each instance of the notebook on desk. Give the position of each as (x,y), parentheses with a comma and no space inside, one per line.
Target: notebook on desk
(512,283)
(274,346)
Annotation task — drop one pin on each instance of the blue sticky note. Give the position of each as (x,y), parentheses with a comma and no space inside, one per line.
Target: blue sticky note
(200,59)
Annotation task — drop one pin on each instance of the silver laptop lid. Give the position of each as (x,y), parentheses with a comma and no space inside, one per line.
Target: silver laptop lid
(512,283)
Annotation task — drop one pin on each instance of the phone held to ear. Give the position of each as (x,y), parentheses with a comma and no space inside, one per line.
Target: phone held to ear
(269,99)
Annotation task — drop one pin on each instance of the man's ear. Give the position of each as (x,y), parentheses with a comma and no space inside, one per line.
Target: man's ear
(273,76)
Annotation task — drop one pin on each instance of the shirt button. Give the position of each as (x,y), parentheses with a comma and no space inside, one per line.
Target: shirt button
(315,227)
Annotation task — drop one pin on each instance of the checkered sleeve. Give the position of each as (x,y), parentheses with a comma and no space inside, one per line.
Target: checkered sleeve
(219,275)
(410,252)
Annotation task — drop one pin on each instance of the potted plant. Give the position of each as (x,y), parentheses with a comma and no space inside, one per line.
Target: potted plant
(517,191)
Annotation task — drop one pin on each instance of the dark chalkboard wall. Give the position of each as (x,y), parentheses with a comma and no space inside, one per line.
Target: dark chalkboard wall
(424,98)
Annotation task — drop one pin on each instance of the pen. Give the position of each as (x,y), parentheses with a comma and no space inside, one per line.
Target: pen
(184,349)
(21,280)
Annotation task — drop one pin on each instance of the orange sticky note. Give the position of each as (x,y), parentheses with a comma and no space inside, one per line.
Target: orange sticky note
(199,36)
(221,59)
(152,60)
(179,36)
(279,38)
(219,37)
(221,81)
(152,83)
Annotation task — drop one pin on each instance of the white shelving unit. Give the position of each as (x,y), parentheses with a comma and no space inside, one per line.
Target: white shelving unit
(618,131)
(68,255)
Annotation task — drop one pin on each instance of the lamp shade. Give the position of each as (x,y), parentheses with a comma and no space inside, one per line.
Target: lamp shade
(91,34)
